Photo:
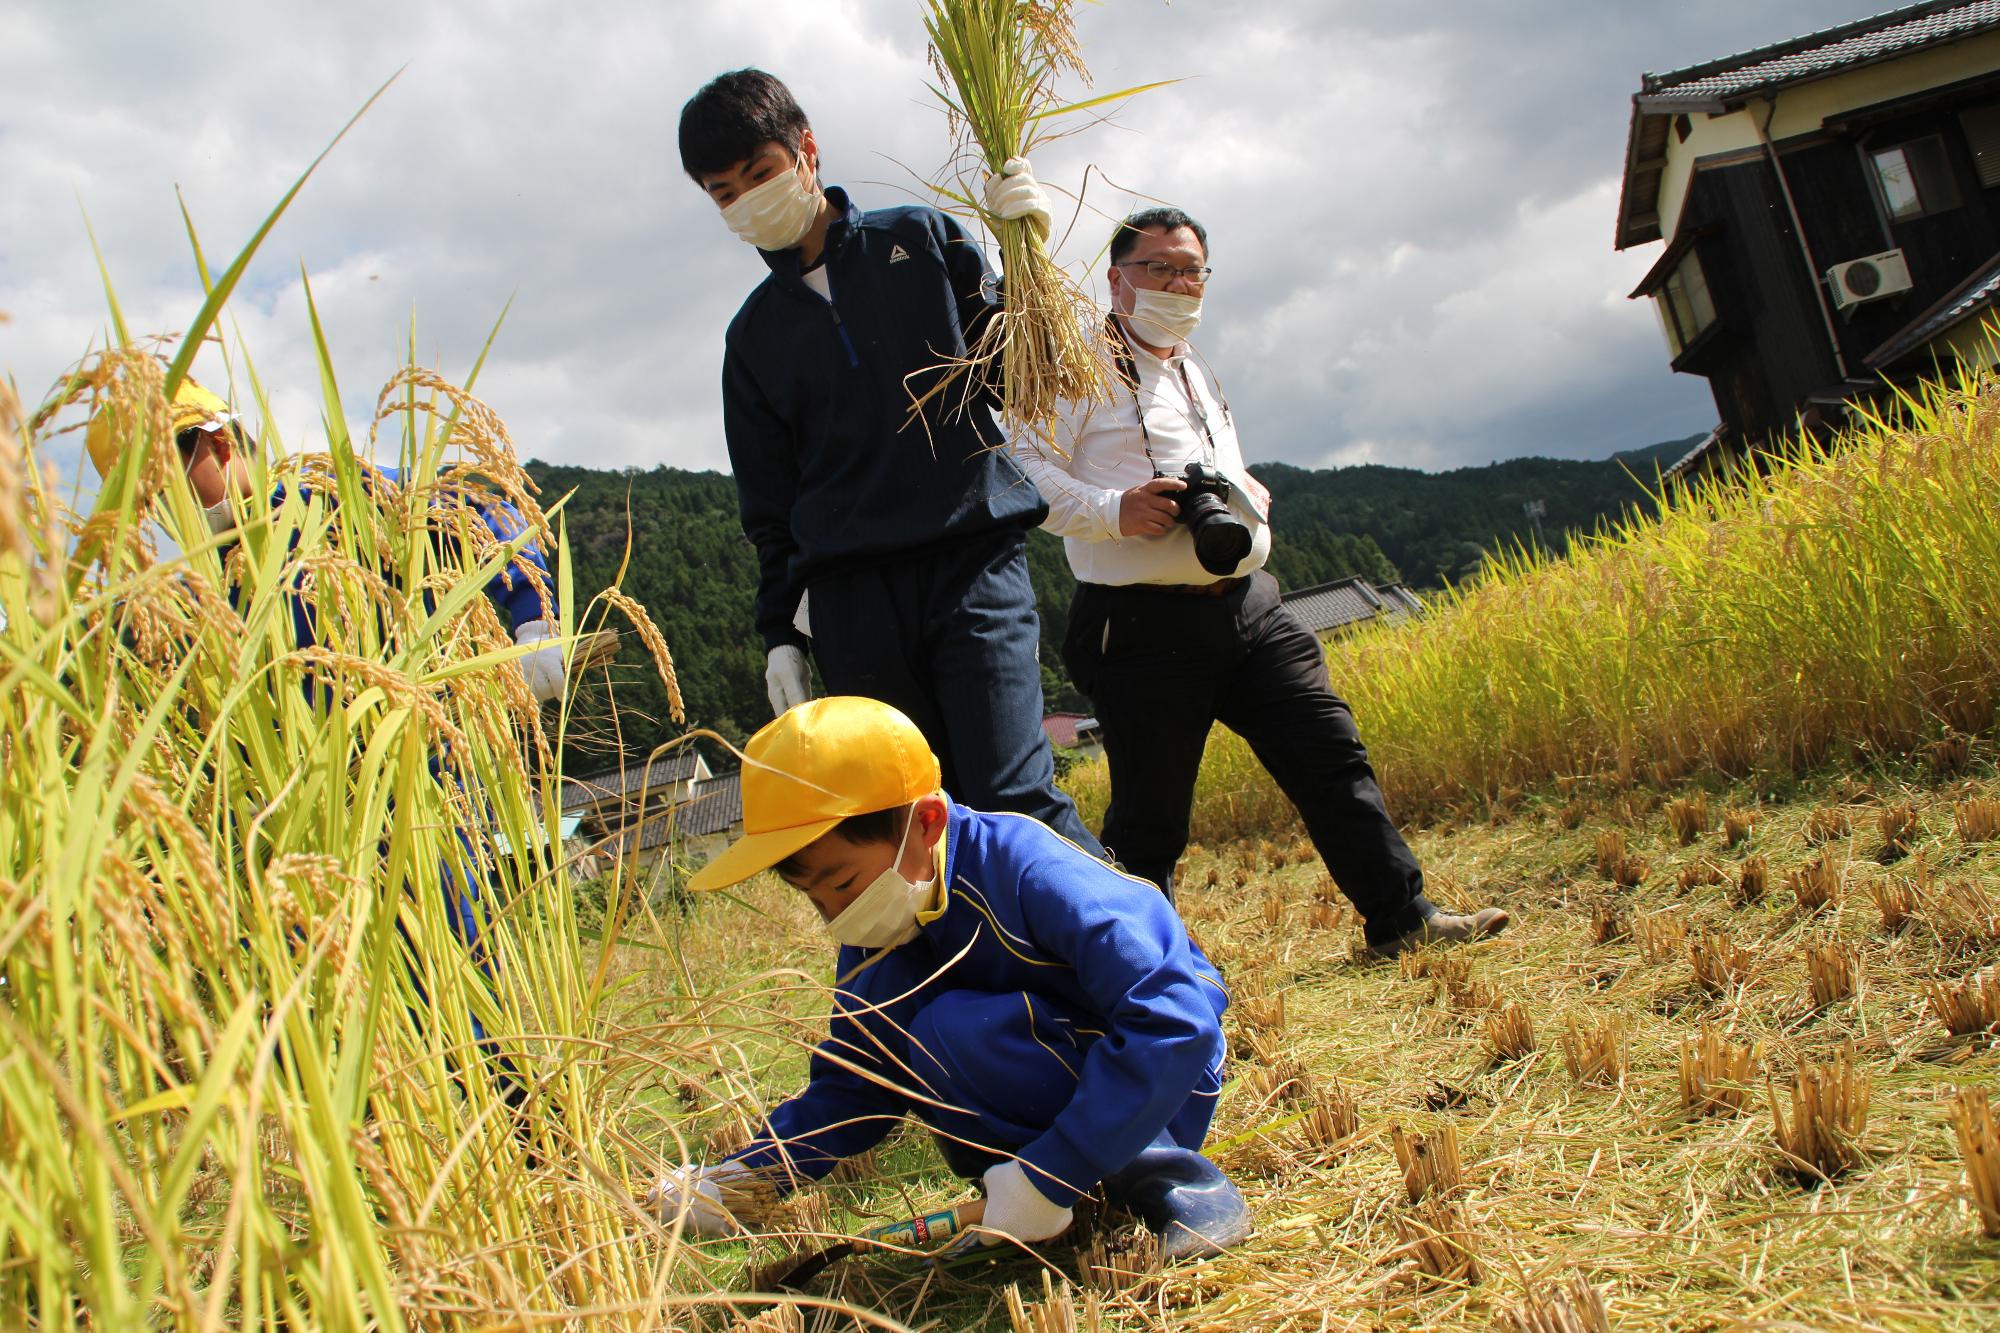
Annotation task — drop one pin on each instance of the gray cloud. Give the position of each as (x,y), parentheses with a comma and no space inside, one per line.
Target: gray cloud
(1411,207)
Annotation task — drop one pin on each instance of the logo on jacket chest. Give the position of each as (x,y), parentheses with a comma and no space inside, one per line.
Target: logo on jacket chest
(897,254)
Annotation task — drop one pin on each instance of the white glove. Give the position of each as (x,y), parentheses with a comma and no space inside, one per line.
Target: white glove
(692,1190)
(786,678)
(1015,193)
(1014,1206)
(543,668)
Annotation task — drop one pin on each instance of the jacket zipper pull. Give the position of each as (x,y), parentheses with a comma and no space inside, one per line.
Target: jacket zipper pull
(840,327)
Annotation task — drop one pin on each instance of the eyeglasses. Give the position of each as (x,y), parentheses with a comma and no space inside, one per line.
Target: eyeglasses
(1160,271)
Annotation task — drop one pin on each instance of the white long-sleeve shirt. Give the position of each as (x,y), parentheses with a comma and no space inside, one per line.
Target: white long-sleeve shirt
(1107,454)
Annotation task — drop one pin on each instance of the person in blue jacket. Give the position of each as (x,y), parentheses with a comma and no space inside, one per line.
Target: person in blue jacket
(1054,1029)
(890,541)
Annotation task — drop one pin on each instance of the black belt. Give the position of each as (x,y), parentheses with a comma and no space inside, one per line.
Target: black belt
(1216,589)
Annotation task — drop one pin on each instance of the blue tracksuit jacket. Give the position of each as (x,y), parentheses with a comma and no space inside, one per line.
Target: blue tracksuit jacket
(1023,910)
(830,468)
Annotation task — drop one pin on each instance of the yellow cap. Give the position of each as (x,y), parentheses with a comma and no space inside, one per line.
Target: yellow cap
(813,767)
(192,406)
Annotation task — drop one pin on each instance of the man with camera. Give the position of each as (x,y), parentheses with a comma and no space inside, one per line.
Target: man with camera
(1176,626)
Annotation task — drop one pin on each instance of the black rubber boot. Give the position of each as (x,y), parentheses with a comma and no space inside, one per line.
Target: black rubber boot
(1184,1198)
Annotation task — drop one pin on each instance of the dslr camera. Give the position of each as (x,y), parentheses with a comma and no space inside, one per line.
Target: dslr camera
(1221,539)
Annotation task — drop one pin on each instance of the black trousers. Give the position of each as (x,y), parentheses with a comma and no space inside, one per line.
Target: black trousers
(949,635)
(1162,667)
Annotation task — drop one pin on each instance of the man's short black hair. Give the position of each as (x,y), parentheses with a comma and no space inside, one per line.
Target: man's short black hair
(1163,218)
(733,116)
(876,826)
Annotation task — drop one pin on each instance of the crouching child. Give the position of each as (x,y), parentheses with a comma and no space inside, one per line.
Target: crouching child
(1046,1016)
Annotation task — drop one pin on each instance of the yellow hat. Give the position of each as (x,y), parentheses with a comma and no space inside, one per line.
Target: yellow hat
(814,766)
(192,406)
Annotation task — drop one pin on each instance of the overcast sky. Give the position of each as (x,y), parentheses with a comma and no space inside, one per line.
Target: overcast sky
(1410,206)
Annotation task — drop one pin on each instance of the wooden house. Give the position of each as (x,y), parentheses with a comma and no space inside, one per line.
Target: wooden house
(610,801)
(1345,605)
(1830,208)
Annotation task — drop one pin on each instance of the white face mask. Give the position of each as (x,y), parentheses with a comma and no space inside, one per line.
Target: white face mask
(1161,319)
(220,520)
(885,913)
(777,214)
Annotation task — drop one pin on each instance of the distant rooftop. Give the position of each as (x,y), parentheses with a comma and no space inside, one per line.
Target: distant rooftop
(1325,607)
(633,782)
(715,807)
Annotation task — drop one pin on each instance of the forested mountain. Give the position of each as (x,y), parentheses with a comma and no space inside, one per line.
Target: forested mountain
(688,562)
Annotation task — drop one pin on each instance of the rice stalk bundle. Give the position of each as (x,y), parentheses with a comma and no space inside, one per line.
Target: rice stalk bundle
(1950,756)
(1429,1162)
(1698,875)
(1716,1074)
(1510,1033)
(1966,1007)
(1752,882)
(1328,892)
(1303,851)
(1001,60)
(1123,1261)
(1438,1242)
(1736,825)
(1331,1121)
(1827,824)
(1577,1308)
(1326,916)
(1596,1054)
(1282,1079)
(1829,1104)
(1816,884)
(1831,968)
(1262,1013)
(1979,1146)
(1573,813)
(1274,909)
(1899,832)
(1661,935)
(1055,1312)
(1964,915)
(1977,819)
(1898,901)
(1608,924)
(1689,817)
(1720,964)
(1610,851)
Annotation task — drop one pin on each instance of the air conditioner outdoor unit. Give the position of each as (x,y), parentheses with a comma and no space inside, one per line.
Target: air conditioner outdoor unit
(1870,279)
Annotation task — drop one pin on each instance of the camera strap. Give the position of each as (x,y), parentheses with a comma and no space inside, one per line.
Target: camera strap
(1126,362)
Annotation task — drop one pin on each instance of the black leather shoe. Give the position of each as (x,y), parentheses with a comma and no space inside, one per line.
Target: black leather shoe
(1184,1198)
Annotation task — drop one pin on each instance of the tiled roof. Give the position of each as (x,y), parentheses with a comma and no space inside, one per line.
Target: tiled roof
(1685,463)
(1977,293)
(1830,50)
(1348,601)
(630,783)
(715,807)
(1061,727)
(1817,55)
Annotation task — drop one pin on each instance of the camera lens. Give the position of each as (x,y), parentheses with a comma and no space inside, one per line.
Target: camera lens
(1221,540)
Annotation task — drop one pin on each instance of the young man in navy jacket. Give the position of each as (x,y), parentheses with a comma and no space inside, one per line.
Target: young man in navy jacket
(1055,1029)
(906,526)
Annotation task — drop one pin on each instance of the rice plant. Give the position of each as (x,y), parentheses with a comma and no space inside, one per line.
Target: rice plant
(1575,1308)
(1979,1147)
(1125,1261)
(1963,914)
(1056,1311)
(1753,881)
(1721,966)
(1820,1140)
(1661,936)
(1510,1032)
(1429,1162)
(1977,819)
(1331,1121)
(1689,817)
(1898,901)
(1827,824)
(1898,824)
(1608,924)
(1698,875)
(1715,1074)
(1736,826)
(1815,886)
(1596,1054)
(1965,1007)
(1831,969)
(1951,755)
(1439,1242)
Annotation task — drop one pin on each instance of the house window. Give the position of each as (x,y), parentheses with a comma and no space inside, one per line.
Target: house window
(1686,309)
(1914,178)
(1982,135)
